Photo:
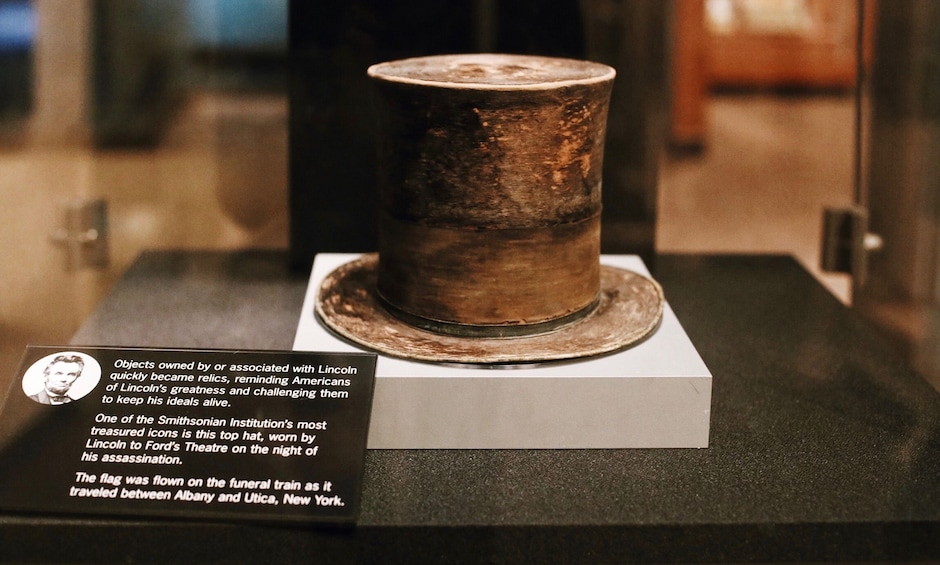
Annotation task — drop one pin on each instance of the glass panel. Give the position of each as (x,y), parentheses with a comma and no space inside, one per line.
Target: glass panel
(902,144)
(763,127)
(174,112)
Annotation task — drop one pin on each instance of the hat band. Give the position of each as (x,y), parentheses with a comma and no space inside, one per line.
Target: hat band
(533,278)
(489,331)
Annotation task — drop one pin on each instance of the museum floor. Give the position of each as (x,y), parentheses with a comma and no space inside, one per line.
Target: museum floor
(770,166)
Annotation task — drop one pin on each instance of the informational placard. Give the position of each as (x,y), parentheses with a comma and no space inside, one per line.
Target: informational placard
(226,435)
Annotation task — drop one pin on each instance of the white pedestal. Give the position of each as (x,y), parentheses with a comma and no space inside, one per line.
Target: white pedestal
(655,394)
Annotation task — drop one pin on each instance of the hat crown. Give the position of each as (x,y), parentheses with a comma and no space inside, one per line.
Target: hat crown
(490,190)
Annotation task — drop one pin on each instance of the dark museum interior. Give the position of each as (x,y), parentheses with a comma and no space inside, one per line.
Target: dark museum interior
(170,170)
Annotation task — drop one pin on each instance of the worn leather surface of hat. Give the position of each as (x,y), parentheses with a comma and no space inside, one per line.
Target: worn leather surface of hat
(489,185)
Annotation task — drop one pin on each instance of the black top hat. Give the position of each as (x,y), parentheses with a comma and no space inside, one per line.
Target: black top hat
(489,228)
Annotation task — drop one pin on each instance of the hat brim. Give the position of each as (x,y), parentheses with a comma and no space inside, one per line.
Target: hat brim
(629,309)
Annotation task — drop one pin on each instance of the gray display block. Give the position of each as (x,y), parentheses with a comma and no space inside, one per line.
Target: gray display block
(656,394)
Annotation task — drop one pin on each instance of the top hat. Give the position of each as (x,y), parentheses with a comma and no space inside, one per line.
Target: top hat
(489,182)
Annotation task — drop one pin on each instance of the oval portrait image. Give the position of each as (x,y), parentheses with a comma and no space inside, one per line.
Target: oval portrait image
(61,378)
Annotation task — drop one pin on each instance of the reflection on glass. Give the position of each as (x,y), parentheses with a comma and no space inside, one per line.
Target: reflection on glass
(173,111)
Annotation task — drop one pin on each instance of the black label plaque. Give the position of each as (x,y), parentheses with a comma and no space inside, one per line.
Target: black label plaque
(229,435)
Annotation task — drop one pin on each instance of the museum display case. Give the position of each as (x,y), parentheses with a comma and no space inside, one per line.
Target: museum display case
(192,176)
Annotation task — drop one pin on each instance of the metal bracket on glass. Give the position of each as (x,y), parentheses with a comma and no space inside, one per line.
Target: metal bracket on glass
(847,242)
(83,234)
